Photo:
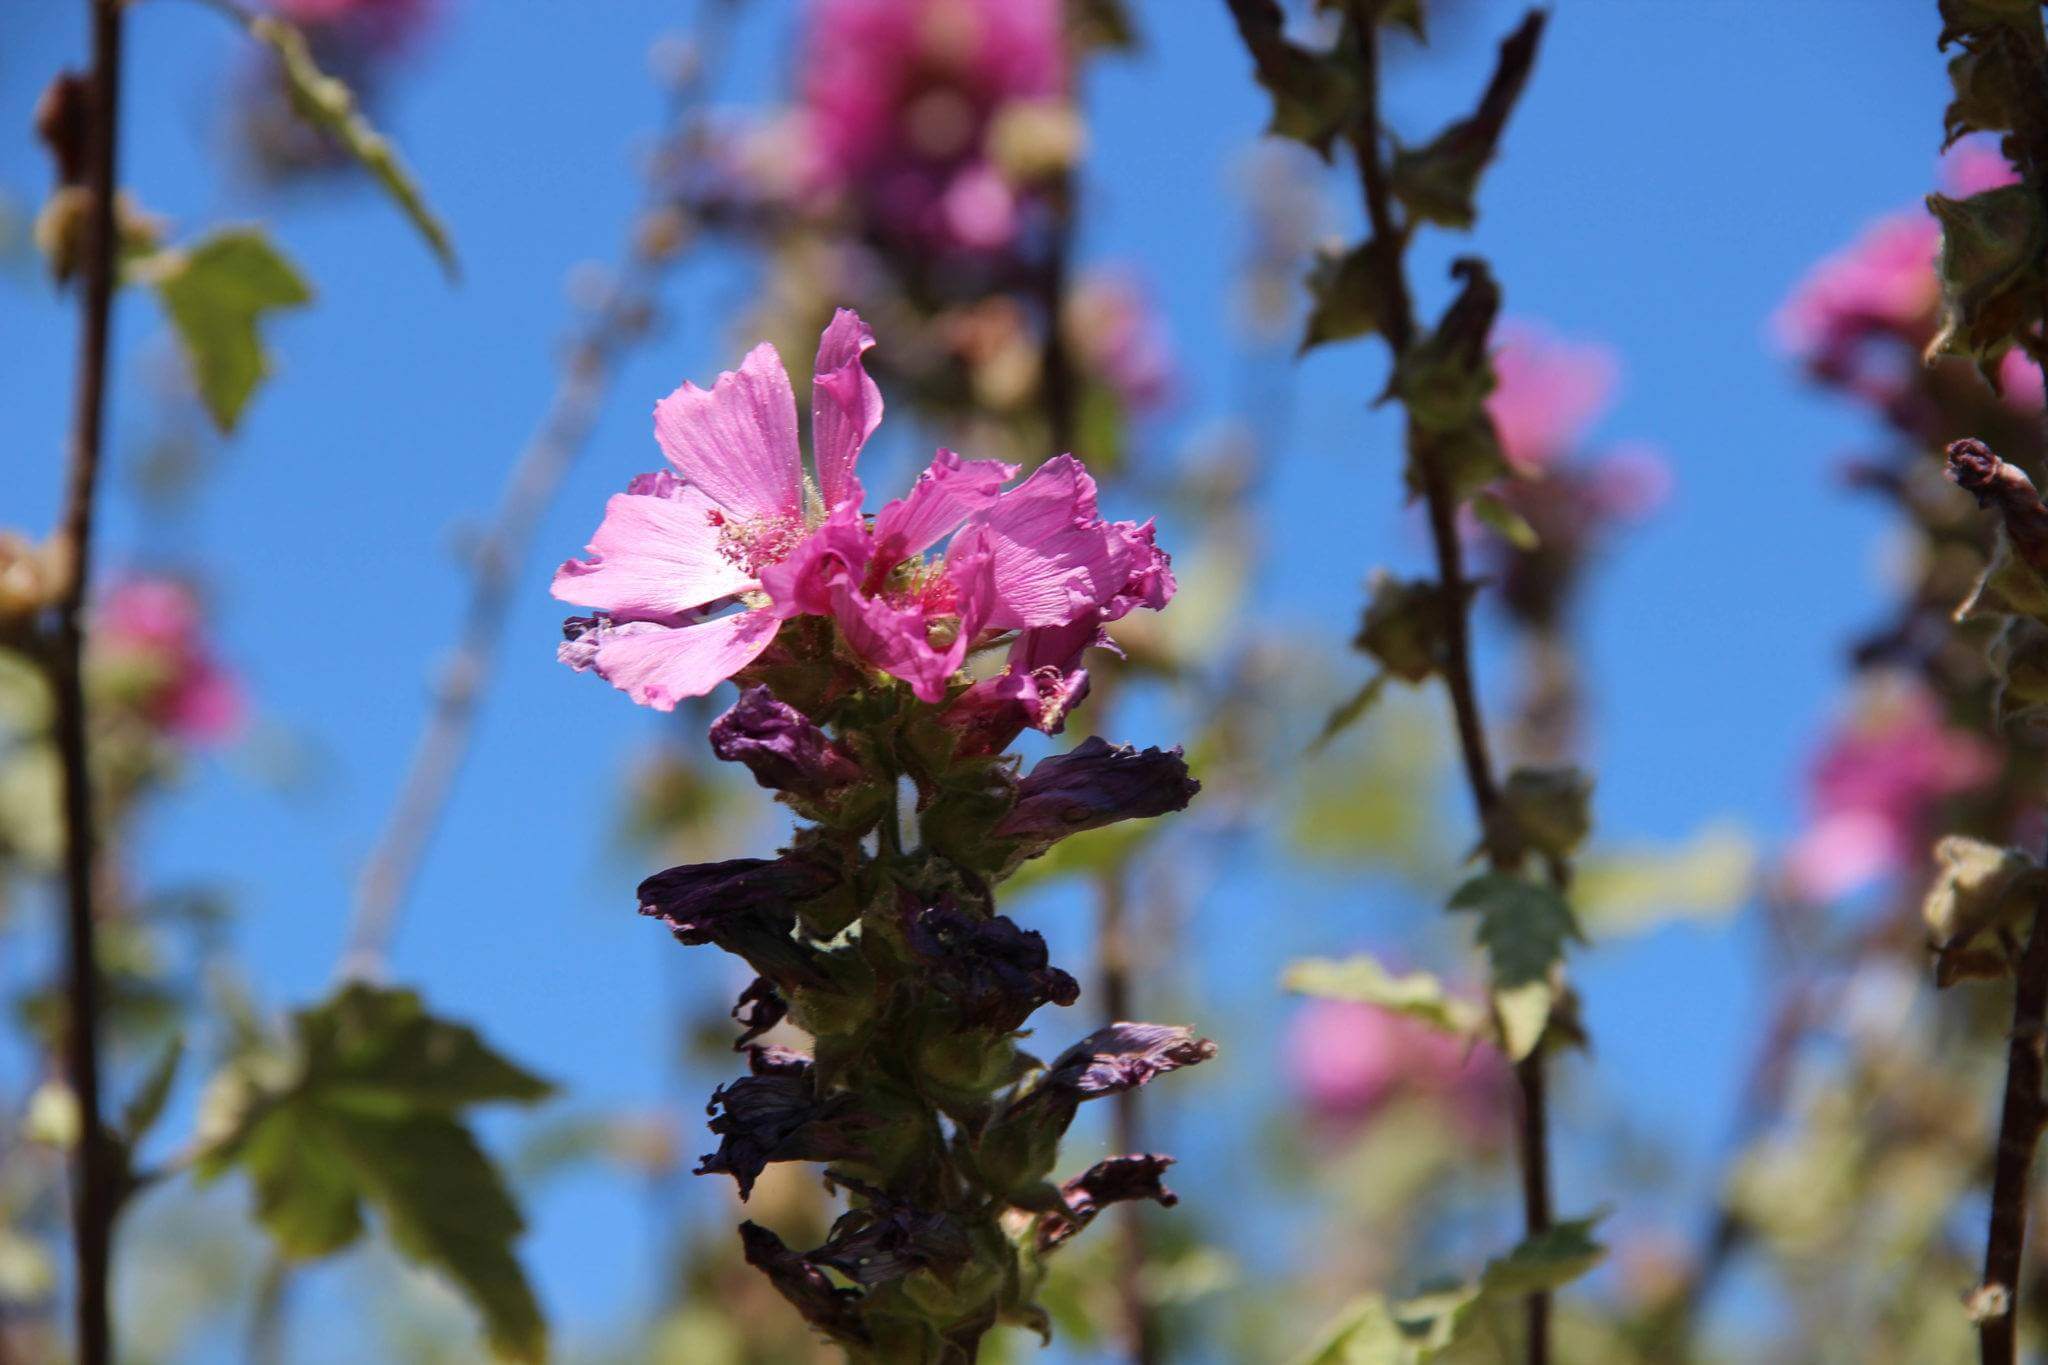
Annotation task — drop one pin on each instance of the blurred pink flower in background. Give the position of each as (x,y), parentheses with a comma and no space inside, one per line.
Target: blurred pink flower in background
(1117,332)
(1547,395)
(360,26)
(151,629)
(900,97)
(1873,789)
(1861,317)
(1351,1062)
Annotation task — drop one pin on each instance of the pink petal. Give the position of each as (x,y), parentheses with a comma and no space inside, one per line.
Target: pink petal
(946,494)
(894,639)
(659,665)
(846,406)
(837,552)
(1040,556)
(737,443)
(653,556)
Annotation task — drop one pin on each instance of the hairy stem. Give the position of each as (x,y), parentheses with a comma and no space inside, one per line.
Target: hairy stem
(1399,328)
(578,401)
(93,1182)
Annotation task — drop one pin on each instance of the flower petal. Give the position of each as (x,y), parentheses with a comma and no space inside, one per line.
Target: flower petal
(895,640)
(837,551)
(948,492)
(653,555)
(658,665)
(1040,556)
(737,442)
(846,406)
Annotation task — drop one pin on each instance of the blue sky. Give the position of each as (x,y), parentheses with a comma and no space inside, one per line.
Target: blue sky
(1671,172)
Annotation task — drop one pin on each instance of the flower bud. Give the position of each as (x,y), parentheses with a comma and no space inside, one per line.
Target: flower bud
(781,746)
(1096,784)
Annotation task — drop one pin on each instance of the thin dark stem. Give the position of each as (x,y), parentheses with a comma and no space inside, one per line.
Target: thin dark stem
(1399,327)
(1114,962)
(2019,1132)
(94,1175)
(572,413)
(267,1313)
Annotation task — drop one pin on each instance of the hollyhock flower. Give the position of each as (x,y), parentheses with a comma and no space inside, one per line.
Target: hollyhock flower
(775,1114)
(1117,1180)
(1874,788)
(149,632)
(1547,394)
(738,525)
(746,906)
(1863,315)
(359,26)
(900,98)
(993,973)
(1351,1061)
(1095,784)
(1118,336)
(784,748)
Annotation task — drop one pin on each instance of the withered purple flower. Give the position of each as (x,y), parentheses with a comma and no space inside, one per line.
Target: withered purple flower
(994,973)
(826,1306)
(1117,1180)
(746,906)
(759,1008)
(886,1239)
(776,1115)
(1122,1057)
(781,746)
(1095,784)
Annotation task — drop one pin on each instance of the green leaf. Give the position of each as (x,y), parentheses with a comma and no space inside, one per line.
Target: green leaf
(1547,1261)
(1412,1331)
(146,1105)
(1347,713)
(1403,626)
(1523,929)
(330,106)
(1314,93)
(1981,888)
(1632,889)
(1439,180)
(1542,810)
(2009,585)
(216,293)
(1347,293)
(1506,522)
(366,1110)
(1365,981)
(1991,273)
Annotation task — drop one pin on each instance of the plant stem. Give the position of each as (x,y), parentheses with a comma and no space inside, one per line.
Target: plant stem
(1399,328)
(93,1180)
(572,413)
(2019,1132)
(1114,962)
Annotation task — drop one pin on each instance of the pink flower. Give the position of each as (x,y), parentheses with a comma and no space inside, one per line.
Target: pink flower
(899,98)
(1861,317)
(150,631)
(737,524)
(1548,394)
(1118,335)
(1351,1061)
(359,27)
(1874,787)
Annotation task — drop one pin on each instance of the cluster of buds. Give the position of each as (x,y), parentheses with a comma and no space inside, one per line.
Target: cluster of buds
(875,932)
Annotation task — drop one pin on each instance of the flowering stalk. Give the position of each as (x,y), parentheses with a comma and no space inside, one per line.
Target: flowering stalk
(1442,376)
(1454,592)
(1994,275)
(83,130)
(876,936)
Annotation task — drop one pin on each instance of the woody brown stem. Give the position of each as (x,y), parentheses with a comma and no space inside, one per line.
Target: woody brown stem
(94,1176)
(1399,327)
